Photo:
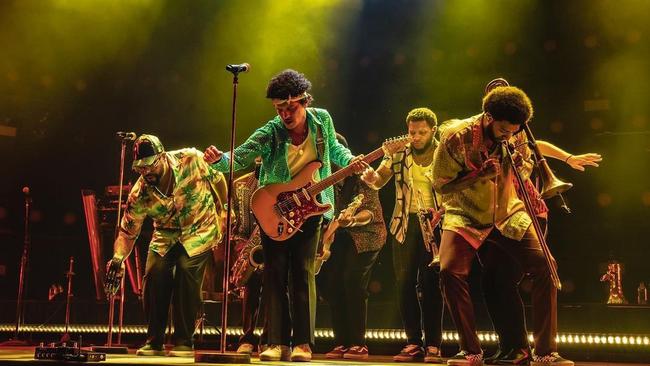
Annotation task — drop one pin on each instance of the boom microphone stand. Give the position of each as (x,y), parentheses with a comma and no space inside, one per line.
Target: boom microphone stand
(16,341)
(109,347)
(223,356)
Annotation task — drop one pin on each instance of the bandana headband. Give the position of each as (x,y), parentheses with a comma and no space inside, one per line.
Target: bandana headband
(289,100)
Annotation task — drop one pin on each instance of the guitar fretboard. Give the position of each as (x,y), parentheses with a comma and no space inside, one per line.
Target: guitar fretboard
(343,173)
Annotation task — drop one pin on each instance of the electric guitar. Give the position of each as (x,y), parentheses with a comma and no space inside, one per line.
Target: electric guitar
(282,208)
(328,236)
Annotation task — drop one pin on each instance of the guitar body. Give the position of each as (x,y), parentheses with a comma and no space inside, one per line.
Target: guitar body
(282,208)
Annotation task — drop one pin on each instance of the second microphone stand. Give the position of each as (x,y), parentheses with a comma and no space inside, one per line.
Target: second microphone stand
(16,341)
(222,356)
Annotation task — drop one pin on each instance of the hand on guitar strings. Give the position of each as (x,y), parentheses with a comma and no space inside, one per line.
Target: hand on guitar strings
(211,154)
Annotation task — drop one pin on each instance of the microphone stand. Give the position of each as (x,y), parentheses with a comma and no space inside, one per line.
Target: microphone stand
(16,341)
(109,347)
(66,336)
(222,356)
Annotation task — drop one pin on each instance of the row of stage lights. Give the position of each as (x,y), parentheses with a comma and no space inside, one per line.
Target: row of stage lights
(371,334)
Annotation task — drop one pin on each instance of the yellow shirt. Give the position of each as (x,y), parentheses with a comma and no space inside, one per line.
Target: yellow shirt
(487,204)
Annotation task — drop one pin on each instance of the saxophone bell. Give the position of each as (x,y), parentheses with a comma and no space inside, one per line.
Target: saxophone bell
(256,257)
(424,219)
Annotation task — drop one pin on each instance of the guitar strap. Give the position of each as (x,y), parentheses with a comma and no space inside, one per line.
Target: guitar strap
(320,143)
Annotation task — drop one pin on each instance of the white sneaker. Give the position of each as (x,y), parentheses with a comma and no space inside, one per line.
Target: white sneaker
(301,353)
(262,347)
(276,353)
(245,348)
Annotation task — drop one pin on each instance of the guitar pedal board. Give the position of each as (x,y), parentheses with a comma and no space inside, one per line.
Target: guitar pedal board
(65,352)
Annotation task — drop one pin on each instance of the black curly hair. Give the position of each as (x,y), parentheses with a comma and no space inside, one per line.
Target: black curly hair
(508,103)
(288,83)
(422,114)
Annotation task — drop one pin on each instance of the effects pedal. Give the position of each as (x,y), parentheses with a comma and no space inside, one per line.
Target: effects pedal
(64,352)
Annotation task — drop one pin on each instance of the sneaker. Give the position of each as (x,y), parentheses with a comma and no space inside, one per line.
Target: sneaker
(517,356)
(356,353)
(552,359)
(337,352)
(496,357)
(182,351)
(276,353)
(246,348)
(432,355)
(262,347)
(410,353)
(150,350)
(465,358)
(301,353)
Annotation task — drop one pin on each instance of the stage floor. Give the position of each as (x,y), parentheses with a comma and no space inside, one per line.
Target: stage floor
(25,355)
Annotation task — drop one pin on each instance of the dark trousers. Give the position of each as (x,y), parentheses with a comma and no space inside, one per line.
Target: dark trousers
(175,278)
(500,280)
(456,259)
(252,310)
(346,289)
(291,258)
(418,287)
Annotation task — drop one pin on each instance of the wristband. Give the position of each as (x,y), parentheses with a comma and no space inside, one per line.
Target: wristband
(567,158)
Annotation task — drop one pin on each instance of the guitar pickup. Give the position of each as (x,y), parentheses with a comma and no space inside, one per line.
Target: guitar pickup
(297,200)
(306,194)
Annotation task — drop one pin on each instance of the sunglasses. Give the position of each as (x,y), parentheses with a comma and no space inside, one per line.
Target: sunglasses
(143,170)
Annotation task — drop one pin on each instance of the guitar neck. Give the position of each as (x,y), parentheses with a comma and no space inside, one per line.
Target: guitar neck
(343,173)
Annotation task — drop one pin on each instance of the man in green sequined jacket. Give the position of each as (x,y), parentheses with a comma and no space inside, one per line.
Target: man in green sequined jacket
(297,136)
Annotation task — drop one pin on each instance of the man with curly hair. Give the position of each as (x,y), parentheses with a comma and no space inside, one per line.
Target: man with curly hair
(295,137)
(418,287)
(481,205)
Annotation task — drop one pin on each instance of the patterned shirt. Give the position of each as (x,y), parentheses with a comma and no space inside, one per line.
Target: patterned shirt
(400,165)
(272,141)
(190,215)
(369,237)
(486,204)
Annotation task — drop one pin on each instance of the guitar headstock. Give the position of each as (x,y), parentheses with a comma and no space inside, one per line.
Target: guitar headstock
(395,144)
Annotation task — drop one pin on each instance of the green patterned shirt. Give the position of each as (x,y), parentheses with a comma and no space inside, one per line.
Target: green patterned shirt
(188,216)
(271,142)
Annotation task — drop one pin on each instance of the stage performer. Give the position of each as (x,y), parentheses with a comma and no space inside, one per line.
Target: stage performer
(296,136)
(481,204)
(354,249)
(184,197)
(420,301)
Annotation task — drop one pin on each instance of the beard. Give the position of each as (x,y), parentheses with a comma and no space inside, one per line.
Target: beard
(152,179)
(423,149)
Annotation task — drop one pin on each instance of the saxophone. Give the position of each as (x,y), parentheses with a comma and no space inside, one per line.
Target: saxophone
(249,260)
(424,219)
(250,257)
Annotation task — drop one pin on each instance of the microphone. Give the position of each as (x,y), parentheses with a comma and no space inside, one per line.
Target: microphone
(27,193)
(126,135)
(236,69)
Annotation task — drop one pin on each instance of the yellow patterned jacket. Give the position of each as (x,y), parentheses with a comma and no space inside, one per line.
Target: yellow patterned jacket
(193,213)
